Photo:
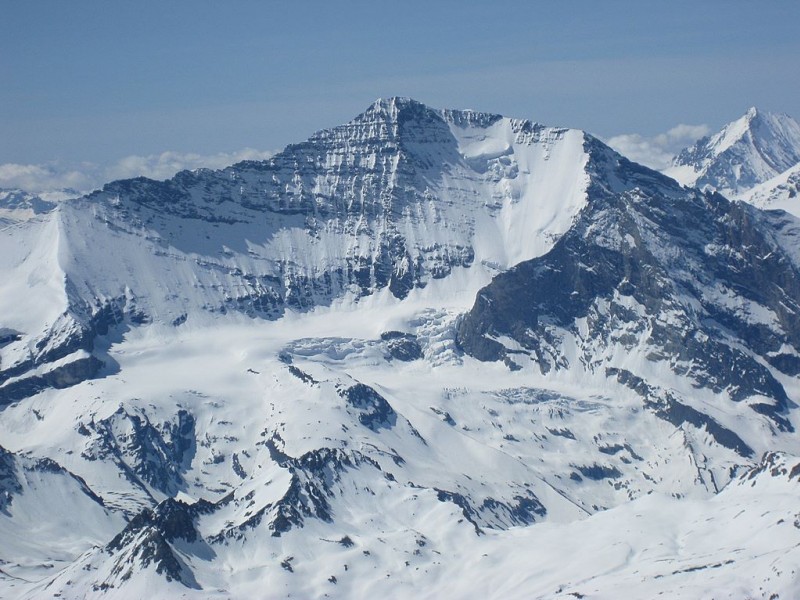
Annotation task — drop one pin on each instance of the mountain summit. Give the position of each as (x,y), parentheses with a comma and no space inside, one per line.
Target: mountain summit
(749,151)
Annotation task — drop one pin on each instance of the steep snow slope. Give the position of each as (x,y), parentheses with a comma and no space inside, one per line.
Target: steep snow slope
(782,192)
(745,153)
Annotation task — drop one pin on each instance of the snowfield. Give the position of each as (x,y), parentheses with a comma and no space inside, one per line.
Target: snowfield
(656,526)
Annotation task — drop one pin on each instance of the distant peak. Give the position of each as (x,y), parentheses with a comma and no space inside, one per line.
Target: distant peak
(390,109)
(755,115)
(746,152)
(757,125)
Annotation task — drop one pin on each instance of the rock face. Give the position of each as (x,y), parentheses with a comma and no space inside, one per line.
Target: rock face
(402,346)
(9,483)
(151,456)
(745,153)
(390,201)
(673,276)
(361,186)
(82,366)
(148,540)
(372,408)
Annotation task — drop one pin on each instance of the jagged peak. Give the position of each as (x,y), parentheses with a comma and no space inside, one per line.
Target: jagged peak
(395,103)
(754,114)
(393,107)
(760,124)
(390,108)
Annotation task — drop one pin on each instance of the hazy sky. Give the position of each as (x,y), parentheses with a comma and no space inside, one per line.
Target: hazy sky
(96,82)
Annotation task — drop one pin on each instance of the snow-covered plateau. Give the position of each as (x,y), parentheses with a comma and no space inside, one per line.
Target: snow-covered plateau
(428,353)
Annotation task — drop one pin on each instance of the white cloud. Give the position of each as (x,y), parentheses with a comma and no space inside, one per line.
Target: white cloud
(51,177)
(43,178)
(166,164)
(657,151)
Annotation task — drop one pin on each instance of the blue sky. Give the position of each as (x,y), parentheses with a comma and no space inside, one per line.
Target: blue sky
(94,82)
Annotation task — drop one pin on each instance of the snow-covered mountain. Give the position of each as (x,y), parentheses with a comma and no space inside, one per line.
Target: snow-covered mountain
(397,199)
(428,352)
(781,192)
(746,153)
